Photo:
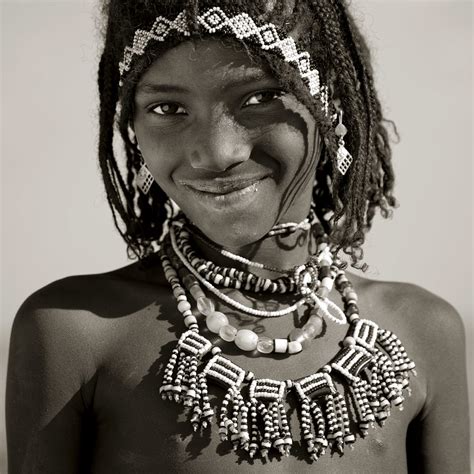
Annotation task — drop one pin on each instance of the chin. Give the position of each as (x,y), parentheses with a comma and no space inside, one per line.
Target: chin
(235,233)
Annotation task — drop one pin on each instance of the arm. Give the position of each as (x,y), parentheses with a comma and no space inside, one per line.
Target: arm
(438,439)
(47,391)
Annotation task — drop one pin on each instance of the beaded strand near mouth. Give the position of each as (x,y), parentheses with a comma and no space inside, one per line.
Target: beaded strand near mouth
(305,289)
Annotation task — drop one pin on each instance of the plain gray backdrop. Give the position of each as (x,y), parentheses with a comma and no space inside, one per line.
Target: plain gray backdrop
(55,219)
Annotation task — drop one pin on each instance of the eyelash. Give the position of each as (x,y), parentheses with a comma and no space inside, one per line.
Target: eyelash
(167,103)
(277,94)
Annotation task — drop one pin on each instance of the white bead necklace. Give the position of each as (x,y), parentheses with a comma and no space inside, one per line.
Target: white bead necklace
(245,339)
(372,371)
(285,228)
(322,304)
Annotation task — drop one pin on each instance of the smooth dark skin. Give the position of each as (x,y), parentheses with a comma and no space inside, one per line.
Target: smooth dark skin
(87,352)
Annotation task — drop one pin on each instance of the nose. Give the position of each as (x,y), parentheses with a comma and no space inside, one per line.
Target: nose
(219,143)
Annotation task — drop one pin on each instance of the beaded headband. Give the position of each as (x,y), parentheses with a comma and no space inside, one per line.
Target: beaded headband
(242,26)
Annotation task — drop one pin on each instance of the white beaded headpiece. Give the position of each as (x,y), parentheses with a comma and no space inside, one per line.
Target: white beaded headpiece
(242,26)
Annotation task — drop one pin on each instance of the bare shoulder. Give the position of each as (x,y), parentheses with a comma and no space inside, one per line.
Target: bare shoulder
(419,310)
(73,318)
(61,338)
(424,318)
(96,294)
(93,292)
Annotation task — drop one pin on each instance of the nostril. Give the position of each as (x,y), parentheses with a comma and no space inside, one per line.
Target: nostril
(220,157)
(232,166)
(218,142)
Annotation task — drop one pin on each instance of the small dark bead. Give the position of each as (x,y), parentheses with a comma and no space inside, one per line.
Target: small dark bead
(351,309)
(324,272)
(340,286)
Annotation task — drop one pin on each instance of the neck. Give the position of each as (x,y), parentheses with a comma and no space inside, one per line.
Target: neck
(282,251)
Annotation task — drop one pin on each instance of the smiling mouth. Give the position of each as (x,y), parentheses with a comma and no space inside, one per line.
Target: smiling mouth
(221,194)
(218,187)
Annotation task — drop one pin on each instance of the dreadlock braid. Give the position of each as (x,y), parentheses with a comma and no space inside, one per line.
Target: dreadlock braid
(379,177)
(108,100)
(327,31)
(349,199)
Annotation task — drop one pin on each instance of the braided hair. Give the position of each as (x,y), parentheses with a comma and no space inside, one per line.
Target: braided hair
(327,31)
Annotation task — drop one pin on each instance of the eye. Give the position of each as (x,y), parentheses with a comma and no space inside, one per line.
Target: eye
(264,97)
(169,108)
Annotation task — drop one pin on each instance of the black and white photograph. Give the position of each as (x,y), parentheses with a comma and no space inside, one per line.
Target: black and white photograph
(237,236)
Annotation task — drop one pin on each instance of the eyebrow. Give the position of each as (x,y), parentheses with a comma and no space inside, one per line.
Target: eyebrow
(249,78)
(153,88)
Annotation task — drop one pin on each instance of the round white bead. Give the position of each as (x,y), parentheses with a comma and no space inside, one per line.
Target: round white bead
(246,340)
(265,345)
(183,306)
(327,282)
(299,335)
(169,273)
(188,320)
(294,347)
(349,342)
(281,345)
(215,321)
(227,333)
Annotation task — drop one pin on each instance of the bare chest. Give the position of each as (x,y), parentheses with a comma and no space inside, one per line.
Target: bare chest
(136,431)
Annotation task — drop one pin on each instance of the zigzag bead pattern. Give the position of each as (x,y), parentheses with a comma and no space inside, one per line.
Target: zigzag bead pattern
(161,28)
(242,26)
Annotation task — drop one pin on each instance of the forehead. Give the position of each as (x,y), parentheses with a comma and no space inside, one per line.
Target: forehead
(204,62)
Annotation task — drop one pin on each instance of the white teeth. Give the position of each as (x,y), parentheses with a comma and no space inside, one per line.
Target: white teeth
(241,192)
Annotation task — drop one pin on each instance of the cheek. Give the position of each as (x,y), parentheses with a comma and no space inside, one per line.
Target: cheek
(297,151)
(290,147)
(161,157)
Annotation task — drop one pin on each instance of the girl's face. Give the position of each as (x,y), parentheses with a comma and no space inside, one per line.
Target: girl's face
(225,142)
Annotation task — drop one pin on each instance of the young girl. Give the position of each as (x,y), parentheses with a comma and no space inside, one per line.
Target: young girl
(256,156)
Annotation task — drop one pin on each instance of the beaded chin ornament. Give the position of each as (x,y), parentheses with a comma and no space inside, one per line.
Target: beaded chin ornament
(372,368)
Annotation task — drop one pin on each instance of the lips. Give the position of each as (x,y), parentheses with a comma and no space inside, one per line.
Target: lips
(220,186)
(225,194)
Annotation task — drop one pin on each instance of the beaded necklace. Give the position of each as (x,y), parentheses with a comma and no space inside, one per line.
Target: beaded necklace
(372,367)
